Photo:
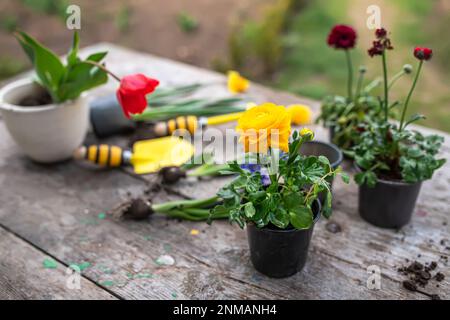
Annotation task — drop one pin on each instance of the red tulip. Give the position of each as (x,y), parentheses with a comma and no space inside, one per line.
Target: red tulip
(342,37)
(132,91)
(423,53)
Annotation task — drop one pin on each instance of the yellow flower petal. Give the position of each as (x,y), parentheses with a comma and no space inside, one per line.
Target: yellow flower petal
(300,114)
(264,126)
(237,83)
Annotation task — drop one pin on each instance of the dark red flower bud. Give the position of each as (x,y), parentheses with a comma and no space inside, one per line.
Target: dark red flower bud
(381,33)
(377,49)
(342,37)
(423,53)
(132,91)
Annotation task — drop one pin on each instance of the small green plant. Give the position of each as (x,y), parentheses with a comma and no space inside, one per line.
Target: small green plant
(390,151)
(63,81)
(386,152)
(282,199)
(187,22)
(347,115)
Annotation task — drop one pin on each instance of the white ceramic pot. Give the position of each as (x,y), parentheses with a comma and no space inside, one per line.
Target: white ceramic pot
(48,133)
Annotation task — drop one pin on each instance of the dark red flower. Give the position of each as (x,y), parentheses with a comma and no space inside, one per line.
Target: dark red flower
(377,49)
(132,91)
(423,53)
(383,43)
(342,37)
(381,33)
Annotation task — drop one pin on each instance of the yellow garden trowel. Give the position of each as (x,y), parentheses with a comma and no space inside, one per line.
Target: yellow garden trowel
(147,156)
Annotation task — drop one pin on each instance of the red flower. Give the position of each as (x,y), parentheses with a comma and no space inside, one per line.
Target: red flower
(377,49)
(381,33)
(383,43)
(423,53)
(342,37)
(132,91)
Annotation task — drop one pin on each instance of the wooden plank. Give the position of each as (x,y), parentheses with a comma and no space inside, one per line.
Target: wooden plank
(56,208)
(23,276)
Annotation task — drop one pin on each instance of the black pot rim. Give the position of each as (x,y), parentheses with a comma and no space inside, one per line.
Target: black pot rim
(332,146)
(316,219)
(398,183)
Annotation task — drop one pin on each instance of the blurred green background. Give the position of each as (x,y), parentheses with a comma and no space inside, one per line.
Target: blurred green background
(281,43)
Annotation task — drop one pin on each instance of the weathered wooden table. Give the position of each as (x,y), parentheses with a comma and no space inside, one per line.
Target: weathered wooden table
(55,212)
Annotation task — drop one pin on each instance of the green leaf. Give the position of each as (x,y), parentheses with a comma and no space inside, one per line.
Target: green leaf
(249,210)
(414,118)
(81,77)
(73,53)
(345,177)
(47,65)
(301,217)
(293,200)
(367,177)
(279,218)
(326,208)
(97,57)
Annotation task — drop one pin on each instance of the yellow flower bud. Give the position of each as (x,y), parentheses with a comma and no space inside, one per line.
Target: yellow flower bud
(307,133)
(237,83)
(300,114)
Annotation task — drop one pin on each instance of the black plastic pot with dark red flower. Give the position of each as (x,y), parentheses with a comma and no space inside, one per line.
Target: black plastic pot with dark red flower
(391,160)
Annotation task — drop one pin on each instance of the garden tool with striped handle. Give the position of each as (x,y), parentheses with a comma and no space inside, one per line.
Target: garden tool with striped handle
(147,156)
(192,123)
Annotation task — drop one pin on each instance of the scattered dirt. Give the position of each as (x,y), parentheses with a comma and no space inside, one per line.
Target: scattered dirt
(420,276)
(135,209)
(333,227)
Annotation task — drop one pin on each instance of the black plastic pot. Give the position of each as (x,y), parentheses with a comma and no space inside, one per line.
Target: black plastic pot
(107,117)
(331,133)
(280,253)
(329,150)
(390,204)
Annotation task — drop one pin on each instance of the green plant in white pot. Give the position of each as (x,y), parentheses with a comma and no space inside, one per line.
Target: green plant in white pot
(48,115)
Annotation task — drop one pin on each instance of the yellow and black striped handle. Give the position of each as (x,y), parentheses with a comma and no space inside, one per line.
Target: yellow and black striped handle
(166,128)
(103,155)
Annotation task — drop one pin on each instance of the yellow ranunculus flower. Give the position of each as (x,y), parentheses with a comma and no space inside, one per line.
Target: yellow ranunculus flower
(237,83)
(264,126)
(307,132)
(300,114)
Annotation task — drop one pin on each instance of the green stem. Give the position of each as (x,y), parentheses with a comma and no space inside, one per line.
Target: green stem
(386,89)
(208,170)
(405,107)
(197,203)
(350,75)
(359,85)
(395,78)
(102,67)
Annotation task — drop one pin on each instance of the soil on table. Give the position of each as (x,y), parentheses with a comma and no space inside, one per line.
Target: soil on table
(420,276)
